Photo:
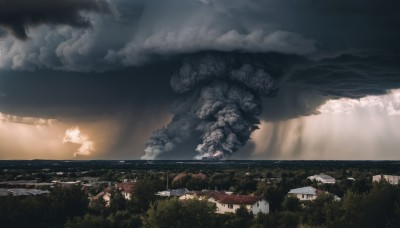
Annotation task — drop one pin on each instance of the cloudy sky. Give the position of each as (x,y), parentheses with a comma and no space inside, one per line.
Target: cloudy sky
(173,79)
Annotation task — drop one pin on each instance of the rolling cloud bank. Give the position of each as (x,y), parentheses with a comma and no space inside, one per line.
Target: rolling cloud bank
(210,71)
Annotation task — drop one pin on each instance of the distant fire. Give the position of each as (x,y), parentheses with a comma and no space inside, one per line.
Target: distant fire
(218,154)
(75,136)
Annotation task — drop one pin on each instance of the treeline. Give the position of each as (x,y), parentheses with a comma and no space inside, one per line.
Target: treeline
(51,210)
(379,207)
(369,205)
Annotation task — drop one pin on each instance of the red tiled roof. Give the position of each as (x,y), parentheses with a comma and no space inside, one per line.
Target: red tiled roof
(108,189)
(126,186)
(102,193)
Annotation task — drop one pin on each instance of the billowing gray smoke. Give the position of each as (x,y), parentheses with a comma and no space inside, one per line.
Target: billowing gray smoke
(225,102)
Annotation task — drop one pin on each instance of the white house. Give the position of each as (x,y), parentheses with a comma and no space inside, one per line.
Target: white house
(305,193)
(389,178)
(323,178)
(309,193)
(230,203)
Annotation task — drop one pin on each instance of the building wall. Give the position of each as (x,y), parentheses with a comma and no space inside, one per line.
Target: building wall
(389,178)
(325,181)
(322,180)
(392,179)
(261,206)
(304,197)
(107,199)
(127,195)
(376,178)
(224,208)
(187,197)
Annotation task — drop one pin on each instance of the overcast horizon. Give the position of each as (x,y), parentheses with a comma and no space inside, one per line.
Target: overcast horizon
(199,79)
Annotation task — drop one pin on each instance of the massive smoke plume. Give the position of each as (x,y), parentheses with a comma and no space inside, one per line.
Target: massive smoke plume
(224,104)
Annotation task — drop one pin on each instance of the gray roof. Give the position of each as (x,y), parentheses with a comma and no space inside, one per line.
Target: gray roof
(173,192)
(305,190)
(22,192)
(324,176)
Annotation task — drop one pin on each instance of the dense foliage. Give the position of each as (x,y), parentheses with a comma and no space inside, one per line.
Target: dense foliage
(43,211)
(362,203)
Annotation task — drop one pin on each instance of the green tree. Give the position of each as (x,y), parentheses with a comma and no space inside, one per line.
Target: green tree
(118,202)
(242,218)
(67,203)
(275,197)
(87,221)
(314,211)
(173,213)
(288,219)
(361,186)
(143,195)
(291,204)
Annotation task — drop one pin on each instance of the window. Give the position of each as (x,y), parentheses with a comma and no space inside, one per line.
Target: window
(230,206)
(258,204)
(302,196)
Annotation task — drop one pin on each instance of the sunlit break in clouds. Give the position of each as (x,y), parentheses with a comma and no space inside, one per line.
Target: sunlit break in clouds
(74,135)
(26,120)
(386,104)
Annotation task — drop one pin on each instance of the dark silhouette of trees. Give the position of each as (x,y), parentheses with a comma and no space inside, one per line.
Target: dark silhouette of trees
(180,214)
(43,211)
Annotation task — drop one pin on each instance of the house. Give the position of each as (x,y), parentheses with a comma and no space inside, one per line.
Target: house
(389,178)
(323,178)
(105,195)
(226,203)
(126,188)
(309,193)
(173,192)
(305,193)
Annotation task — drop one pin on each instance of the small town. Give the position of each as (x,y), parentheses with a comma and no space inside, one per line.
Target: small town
(229,194)
(199,114)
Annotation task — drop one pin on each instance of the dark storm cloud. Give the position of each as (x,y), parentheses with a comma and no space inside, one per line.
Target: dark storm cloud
(310,83)
(18,15)
(314,51)
(146,30)
(303,84)
(71,95)
(350,75)
(341,24)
